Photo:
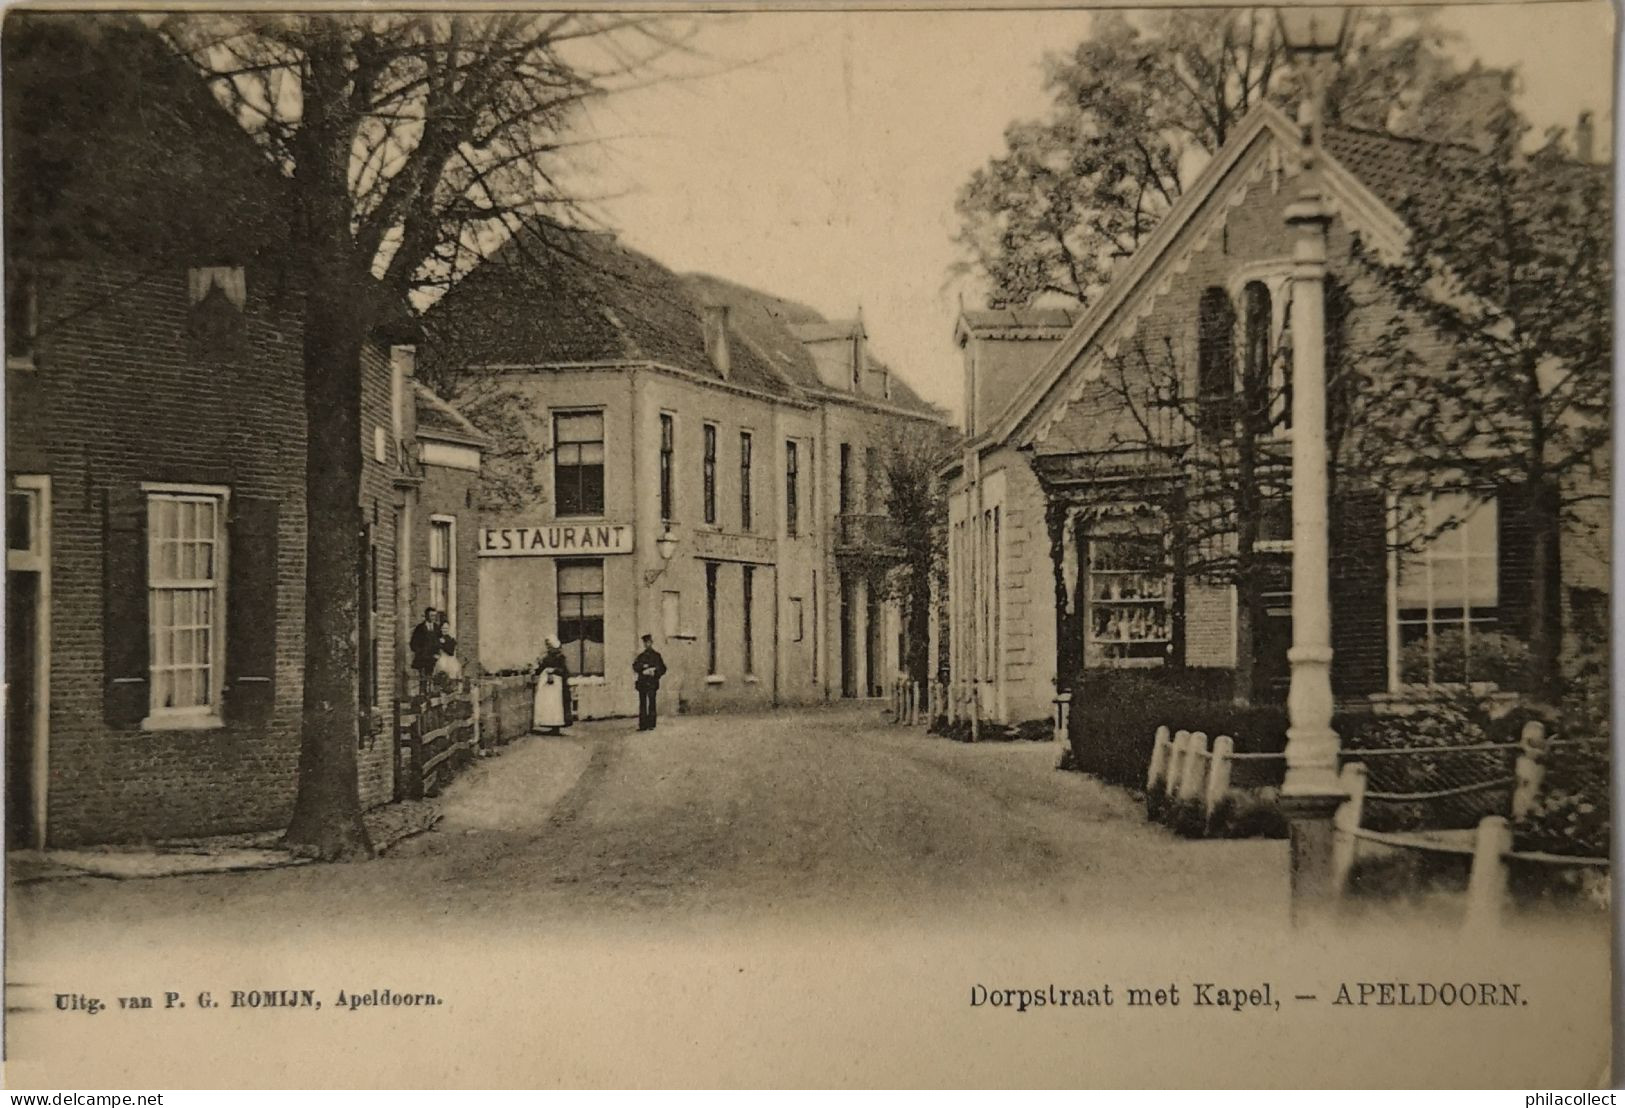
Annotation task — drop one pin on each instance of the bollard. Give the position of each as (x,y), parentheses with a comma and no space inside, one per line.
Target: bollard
(1487,887)
(1345,822)
(1176,763)
(1160,751)
(1530,770)
(1218,781)
(1190,788)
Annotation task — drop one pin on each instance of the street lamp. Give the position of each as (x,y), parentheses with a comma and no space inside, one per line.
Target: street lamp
(666,546)
(1311,792)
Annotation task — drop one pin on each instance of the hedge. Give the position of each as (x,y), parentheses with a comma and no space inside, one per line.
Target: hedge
(1115,715)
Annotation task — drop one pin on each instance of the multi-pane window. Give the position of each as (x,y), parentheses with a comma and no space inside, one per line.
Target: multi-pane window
(581,616)
(1446,588)
(711,617)
(668,452)
(845,488)
(1257,379)
(749,587)
(1129,594)
(792,489)
(710,484)
(744,481)
(1215,362)
(186,601)
(578,463)
(442,586)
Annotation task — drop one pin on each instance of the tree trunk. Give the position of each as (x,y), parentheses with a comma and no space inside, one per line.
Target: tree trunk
(326,820)
(1545,599)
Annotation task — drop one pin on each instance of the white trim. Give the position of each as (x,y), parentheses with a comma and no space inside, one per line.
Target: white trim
(210,715)
(451,569)
(37,559)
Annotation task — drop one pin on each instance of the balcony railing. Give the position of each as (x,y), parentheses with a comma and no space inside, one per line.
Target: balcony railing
(868,534)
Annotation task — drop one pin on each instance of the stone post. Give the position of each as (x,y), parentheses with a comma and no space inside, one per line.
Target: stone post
(1218,780)
(1487,887)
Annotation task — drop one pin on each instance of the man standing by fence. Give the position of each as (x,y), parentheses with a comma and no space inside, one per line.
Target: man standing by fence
(425,644)
(650,668)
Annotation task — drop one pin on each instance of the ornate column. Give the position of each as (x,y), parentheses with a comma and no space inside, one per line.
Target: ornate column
(1311,792)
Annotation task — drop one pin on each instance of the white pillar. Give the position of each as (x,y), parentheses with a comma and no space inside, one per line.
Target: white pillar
(1312,745)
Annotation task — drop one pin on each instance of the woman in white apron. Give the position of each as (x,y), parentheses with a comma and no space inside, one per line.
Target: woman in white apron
(552,707)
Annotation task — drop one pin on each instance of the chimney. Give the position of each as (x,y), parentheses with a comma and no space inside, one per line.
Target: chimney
(858,359)
(716,336)
(1585,138)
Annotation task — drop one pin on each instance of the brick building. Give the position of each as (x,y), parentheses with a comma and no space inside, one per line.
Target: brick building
(1068,503)
(155,457)
(694,451)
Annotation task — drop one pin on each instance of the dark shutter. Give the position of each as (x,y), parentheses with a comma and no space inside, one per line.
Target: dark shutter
(125,634)
(1515,559)
(1359,593)
(251,611)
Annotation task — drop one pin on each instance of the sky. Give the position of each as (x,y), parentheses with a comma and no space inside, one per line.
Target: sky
(819,155)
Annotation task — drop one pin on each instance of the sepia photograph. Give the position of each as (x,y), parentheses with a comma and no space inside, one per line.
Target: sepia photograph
(772,546)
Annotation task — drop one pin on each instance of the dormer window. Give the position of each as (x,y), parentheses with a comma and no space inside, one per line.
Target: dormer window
(230,280)
(22,319)
(217,324)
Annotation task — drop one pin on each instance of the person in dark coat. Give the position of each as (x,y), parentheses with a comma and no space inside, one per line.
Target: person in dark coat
(553,659)
(425,645)
(650,668)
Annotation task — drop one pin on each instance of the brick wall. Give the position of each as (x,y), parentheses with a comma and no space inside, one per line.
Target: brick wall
(381,496)
(122,395)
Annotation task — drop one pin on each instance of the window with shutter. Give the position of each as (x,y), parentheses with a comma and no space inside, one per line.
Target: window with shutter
(186,590)
(124,608)
(251,617)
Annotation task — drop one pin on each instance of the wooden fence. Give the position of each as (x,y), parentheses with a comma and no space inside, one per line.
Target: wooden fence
(505,706)
(437,735)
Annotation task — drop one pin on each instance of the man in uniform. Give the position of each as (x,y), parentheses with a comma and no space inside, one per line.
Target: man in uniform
(650,667)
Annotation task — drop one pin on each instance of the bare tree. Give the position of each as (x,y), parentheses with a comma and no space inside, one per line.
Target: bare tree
(412,143)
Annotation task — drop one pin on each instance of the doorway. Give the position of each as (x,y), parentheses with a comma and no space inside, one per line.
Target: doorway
(28,658)
(849,638)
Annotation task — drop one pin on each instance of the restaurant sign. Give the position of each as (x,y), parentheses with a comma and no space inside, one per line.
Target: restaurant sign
(558,540)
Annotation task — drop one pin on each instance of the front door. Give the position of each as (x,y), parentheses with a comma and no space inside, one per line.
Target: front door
(849,639)
(28,658)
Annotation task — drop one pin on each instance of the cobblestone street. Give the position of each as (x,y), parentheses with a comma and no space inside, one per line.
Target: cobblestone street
(802,898)
(794,812)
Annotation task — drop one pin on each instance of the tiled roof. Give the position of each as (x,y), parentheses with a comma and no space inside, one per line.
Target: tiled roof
(779,329)
(437,419)
(558,295)
(763,321)
(1397,169)
(1407,172)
